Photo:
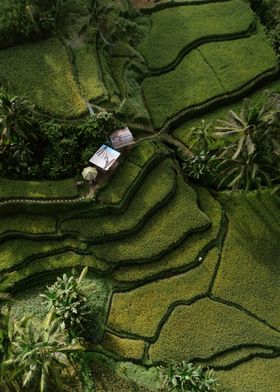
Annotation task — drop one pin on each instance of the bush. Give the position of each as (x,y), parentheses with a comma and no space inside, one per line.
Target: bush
(185,377)
(66,299)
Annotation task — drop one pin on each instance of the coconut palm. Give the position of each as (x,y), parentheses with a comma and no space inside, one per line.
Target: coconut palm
(201,136)
(252,127)
(16,118)
(39,354)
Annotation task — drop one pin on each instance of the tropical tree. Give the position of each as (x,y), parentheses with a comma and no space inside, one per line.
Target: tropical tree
(16,119)
(66,299)
(250,157)
(39,354)
(201,137)
(254,128)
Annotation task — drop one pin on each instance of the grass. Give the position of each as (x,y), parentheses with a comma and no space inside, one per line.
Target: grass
(229,65)
(159,234)
(174,29)
(10,189)
(15,251)
(126,174)
(88,72)
(43,72)
(256,98)
(258,375)
(250,270)
(156,187)
(184,254)
(125,348)
(50,265)
(106,380)
(156,297)
(167,94)
(142,153)
(33,224)
(240,59)
(209,328)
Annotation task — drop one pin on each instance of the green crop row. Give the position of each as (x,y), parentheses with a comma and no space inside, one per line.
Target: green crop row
(167,229)
(258,375)
(49,265)
(125,348)
(130,173)
(256,98)
(186,253)
(152,193)
(87,66)
(206,328)
(174,30)
(250,269)
(142,153)
(33,224)
(228,65)
(16,251)
(10,189)
(119,183)
(43,72)
(156,297)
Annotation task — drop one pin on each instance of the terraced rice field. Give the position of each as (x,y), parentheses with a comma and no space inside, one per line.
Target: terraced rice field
(198,283)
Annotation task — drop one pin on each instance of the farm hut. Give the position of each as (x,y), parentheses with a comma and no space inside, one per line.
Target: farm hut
(121,138)
(105,158)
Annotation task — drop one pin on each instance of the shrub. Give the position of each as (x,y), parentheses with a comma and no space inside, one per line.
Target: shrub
(185,377)
(66,300)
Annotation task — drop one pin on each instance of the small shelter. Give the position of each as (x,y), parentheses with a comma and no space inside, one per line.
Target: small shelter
(105,157)
(121,138)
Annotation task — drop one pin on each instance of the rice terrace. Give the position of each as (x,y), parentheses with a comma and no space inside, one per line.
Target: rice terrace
(139,195)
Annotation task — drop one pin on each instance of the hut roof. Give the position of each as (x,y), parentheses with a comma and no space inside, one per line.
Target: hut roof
(105,157)
(121,138)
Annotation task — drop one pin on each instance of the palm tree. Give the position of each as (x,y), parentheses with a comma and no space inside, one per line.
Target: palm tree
(39,354)
(16,118)
(252,127)
(201,137)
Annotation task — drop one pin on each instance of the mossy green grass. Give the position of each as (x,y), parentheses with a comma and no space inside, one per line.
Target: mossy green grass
(210,327)
(154,191)
(43,72)
(229,65)
(157,297)
(169,226)
(174,29)
(250,268)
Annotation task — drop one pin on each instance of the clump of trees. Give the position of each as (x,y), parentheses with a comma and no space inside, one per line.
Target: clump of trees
(30,147)
(35,355)
(242,151)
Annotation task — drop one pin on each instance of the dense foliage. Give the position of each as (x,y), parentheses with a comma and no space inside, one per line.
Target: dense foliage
(31,147)
(185,377)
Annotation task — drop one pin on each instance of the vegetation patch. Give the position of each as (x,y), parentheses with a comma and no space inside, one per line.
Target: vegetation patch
(182,133)
(186,253)
(49,265)
(157,297)
(258,375)
(43,72)
(33,224)
(88,72)
(228,65)
(11,189)
(250,267)
(178,28)
(209,328)
(155,189)
(169,226)
(126,348)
